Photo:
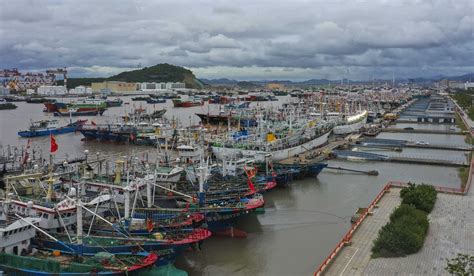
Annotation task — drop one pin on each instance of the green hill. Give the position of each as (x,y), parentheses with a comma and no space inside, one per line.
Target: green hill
(163,72)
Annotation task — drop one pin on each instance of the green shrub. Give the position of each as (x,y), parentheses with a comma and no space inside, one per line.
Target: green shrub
(422,197)
(462,265)
(404,234)
(416,216)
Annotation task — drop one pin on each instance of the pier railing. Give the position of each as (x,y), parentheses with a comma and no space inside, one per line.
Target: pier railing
(347,237)
(395,184)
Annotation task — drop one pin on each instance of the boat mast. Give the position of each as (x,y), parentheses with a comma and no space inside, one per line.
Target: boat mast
(79,221)
(202,169)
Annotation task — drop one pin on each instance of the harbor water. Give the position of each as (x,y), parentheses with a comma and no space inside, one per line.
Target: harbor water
(301,223)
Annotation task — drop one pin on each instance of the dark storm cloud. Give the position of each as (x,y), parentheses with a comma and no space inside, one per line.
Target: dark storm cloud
(241,39)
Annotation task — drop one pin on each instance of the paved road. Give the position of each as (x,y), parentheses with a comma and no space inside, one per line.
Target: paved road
(451,232)
(353,259)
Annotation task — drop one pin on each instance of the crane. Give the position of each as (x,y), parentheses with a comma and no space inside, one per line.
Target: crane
(60,71)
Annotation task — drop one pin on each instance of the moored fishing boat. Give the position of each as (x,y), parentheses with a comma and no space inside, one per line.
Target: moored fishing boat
(121,243)
(53,105)
(140,98)
(76,112)
(114,103)
(216,119)
(242,105)
(4,105)
(36,100)
(45,263)
(290,144)
(47,127)
(14,98)
(17,257)
(155,100)
(217,99)
(187,103)
(352,123)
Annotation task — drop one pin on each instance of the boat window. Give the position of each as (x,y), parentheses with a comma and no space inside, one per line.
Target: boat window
(45,215)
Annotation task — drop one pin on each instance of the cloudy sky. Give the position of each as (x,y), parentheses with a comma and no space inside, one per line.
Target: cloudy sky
(296,40)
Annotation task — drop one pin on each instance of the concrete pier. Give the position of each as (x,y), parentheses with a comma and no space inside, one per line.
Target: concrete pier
(423,131)
(315,155)
(451,231)
(354,258)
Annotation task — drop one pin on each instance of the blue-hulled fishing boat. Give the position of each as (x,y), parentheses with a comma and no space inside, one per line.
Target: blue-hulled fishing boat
(47,127)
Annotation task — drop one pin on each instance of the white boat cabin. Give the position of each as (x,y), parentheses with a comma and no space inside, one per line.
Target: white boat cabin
(190,154)
(15,235)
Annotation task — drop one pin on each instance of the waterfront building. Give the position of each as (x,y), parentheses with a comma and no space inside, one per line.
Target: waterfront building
(275,86)
(175,85)
(114,86)
(50,90)
(469,86)
(80,90)
(4,91)
(146,86)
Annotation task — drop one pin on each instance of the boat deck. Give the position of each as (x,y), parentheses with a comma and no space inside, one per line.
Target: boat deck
(314,155)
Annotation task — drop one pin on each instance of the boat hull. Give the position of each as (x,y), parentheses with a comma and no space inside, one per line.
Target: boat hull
(23,265)
(180,103)
(350,128)
(278,155)
(91,250)
(47,132)
(80,113)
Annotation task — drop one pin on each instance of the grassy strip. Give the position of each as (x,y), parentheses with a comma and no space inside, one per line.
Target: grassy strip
(459,122)
(406,231)
(464,99)
(469,140)
(463,173)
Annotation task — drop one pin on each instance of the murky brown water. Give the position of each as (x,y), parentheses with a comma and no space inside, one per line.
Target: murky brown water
(302,223)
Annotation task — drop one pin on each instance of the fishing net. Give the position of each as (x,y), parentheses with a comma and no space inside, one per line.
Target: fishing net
(82,268)
(30,263)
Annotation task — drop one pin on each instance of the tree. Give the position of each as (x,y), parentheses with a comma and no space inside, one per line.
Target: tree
(462,265)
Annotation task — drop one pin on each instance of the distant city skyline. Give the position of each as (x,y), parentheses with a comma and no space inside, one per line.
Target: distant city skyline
(242,40)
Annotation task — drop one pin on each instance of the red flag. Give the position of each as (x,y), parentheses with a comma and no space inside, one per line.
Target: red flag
(54,146)
(250,174)
(149,225)
(25,157)
(251,186)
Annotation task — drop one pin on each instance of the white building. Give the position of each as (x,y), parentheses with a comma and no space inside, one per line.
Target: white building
(47,90)
(4,91)
(147,86)
(80,90)
(469,85)
(175,85)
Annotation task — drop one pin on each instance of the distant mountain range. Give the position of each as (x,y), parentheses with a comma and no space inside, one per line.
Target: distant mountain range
(230,82)
(165,72)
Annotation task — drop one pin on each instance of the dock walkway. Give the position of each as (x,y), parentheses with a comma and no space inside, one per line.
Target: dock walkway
(423,131)
(353,258)
(315,155)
